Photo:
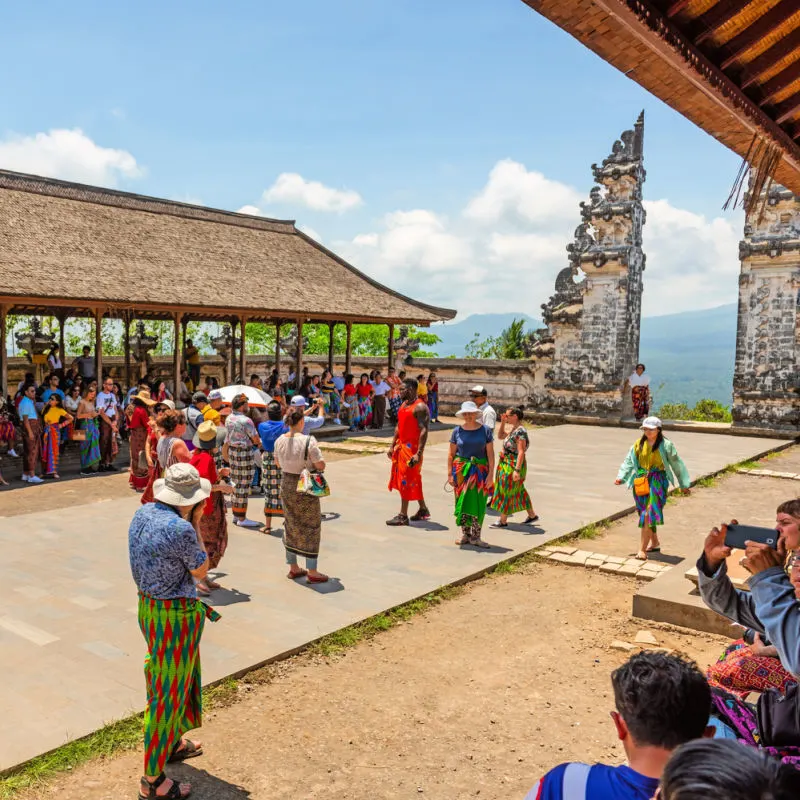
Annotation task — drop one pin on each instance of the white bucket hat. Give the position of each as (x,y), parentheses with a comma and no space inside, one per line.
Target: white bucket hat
(652,424)
(181,486)
(468,407)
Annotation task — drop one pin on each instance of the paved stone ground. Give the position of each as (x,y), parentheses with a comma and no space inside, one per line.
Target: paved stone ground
(71,647)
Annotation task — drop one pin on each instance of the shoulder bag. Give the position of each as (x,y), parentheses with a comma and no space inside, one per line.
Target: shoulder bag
(312,482)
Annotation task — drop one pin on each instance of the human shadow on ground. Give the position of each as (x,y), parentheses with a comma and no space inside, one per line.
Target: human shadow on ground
(518,527)
(661,558)
(206,786)
(430,525)
(332,586)
(227,597)
(495,548)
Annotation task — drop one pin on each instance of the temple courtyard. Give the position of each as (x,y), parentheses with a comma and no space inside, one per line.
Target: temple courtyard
(72,650)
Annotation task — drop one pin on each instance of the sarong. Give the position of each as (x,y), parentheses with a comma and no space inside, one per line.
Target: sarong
(640,396)
(271,484)
(214,530)
(302,527)
(172,630)
(651,507)
(362,408)
(470,475)
(407,480)
(90,446)
(510,496)
(7,434)
(394,404)
(107,442)
(741,717)
(139,477)
(50,448)
(32,445)
(243,466)
(740,672)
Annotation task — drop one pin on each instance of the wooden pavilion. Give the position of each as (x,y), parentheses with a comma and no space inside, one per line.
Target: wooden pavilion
(730,66)
(71,250)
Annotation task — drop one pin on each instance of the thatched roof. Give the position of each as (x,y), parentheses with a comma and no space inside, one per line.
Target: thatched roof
(730,66)
(67,244)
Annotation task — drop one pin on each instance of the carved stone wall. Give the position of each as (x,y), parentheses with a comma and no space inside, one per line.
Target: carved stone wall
(591,342)
(766,378)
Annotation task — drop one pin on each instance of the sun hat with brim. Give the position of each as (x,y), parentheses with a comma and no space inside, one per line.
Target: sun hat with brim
(181,486)
(206,436)
(170,404)
(467,407)
(144,396)
(651,424)
(299,401)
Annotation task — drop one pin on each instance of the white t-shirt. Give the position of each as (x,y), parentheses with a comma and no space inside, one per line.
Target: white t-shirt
(54,362)
(381,388)
(639,380)
(489,416)
(107,403)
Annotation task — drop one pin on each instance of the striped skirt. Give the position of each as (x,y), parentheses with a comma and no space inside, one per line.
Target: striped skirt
(271,484)
(50,449)
(651,506)
(510,496)
(172,630)
(243,467)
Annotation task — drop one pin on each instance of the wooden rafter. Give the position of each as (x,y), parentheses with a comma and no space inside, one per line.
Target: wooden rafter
(676,7)
(769,58)
(787,109)
(794,131)
(774,86)
(754,33)
(717,16)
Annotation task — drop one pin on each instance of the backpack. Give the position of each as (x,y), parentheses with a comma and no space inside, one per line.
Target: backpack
(194,417)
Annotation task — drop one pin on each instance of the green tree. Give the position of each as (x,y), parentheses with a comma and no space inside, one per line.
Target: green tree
(482,346)
(511,343)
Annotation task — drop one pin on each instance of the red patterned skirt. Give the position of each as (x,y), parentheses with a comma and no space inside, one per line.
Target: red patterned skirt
(741,672)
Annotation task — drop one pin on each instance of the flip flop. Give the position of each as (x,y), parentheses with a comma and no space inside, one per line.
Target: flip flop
(317,579)
(293,576)
(189,750)
(654,549)
(499,525)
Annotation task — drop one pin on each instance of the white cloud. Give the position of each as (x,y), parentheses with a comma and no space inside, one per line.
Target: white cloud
(67,154)
(503,252)
(294,189)
(252,210)
(309,231)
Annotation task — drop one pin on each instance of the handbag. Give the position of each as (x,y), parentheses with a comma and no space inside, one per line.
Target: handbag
(778,717)
(78,435)
(142,464)
(312,482)
(641,486)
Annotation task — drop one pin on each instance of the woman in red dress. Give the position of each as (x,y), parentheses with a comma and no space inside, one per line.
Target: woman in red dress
(364,394)
(138,416)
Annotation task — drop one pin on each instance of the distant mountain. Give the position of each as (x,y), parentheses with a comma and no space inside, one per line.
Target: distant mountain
(456,336)
(689,355)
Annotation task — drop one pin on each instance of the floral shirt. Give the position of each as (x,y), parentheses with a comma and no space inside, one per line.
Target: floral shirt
(163,548)
(510,444)
(241,430)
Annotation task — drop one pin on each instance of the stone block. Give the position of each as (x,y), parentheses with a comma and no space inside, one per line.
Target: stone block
(646,575)
(625,647)
(629,569)
(564,558)
(610,567)
(568,551)
(691,575)
(615,560)
(645,637)
(594,563)
(585,553)
(578,558)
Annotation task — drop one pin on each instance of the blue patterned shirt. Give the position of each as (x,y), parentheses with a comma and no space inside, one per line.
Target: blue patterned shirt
(163,548)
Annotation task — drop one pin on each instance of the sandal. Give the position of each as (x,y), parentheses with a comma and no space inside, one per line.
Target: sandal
(654,549)
(396,522)
(499,524)
(183,750)
(423,515)
(463,540)
(531,520)
(174,792)
(317,578)
(293,576)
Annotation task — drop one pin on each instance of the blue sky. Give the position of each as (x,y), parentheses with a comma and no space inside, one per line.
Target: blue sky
(411,105)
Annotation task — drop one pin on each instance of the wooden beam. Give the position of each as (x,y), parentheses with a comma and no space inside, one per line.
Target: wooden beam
(278,348)
(775,85)
(243,352)
(717,16)
(763,26)
(794,131)
(676,7)
(298,367)
(348,358)
(3,352)
(126,344)
(762,64)
(331,326)
(98,347)
(62,318)
(176,356)
(391,345)
(232,354)
(786,109)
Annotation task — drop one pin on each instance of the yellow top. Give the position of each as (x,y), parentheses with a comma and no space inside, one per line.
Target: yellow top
(648,459)
(192,355)
(54,415)
(422,389)
(212,415)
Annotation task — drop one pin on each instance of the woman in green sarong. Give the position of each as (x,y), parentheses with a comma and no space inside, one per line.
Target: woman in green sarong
(470,471)
(88,423)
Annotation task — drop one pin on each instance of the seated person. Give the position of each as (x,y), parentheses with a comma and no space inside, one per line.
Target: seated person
(662,701)
(771,607)
(713,769)
(751,664)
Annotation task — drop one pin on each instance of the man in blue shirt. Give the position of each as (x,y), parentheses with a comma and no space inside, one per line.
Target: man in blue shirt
(311,423)
(52,388)
(662,702)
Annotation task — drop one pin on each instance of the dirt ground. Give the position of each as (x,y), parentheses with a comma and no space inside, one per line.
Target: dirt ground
(475,698)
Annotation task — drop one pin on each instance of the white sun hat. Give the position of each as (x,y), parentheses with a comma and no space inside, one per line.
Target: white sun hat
(181,486)
(468,407)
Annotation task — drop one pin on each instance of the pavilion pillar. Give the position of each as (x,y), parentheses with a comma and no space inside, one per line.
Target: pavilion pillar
(232,354)
(390,361)
(98,347)
(3,351)
(348,358)
(126,345)
(331,326)
(278,348)
(176,356)
(298,369)
(185,366)
(243,351)
(62,318)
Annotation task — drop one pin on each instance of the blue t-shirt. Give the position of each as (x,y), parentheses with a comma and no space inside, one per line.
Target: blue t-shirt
(50,392)
(163,548)
(269,432)
(27,408)
(600,782)
(471,444)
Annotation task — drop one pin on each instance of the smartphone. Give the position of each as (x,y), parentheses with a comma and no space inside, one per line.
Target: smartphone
(737,535)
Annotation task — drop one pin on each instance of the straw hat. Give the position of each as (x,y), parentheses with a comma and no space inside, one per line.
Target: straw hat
(144,396)
(181,486)
(208,436)
(468,407)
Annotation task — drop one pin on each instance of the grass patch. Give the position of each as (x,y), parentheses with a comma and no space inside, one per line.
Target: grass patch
(747,465)
(707,483)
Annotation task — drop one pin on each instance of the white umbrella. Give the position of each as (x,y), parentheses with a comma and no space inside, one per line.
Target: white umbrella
(255,397)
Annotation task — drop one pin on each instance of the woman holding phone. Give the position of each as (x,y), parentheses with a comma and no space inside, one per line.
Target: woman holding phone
(652,464)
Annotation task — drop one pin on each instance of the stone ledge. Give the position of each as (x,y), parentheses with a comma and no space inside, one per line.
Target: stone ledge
(632,567)
(769,473)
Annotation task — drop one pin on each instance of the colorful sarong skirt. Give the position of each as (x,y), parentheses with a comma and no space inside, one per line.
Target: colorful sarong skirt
(651,506)
(172,630)
(139,477)
(243,467)
(640,396)
(90,446)
(214,530)
(362,408)
(470,476)
(302,527)
(510,496)
(271,485)
(50,448)
(405,479)
(741,672)
(7,433)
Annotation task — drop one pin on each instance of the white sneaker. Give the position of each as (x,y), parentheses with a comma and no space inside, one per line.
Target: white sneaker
(35,479)
(13,453)
(337,421)
(247,523)
(25,478)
